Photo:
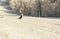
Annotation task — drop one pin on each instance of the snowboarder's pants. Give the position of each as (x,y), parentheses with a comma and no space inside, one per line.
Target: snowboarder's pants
(21,15)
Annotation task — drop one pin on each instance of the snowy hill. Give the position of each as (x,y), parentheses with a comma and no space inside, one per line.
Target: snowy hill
(28,27)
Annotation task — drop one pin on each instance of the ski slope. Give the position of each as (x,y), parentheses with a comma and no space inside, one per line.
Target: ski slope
(28,27)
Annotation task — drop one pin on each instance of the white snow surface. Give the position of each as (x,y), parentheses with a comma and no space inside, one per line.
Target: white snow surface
(28,27)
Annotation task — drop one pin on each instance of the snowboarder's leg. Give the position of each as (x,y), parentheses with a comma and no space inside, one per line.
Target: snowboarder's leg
(20,17)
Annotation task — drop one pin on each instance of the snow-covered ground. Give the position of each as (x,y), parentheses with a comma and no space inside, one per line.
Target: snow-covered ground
(28,27)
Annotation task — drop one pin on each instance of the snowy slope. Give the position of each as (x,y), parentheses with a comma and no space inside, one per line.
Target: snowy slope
(28,27)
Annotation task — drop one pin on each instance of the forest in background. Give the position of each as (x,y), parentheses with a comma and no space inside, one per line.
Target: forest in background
(37,8)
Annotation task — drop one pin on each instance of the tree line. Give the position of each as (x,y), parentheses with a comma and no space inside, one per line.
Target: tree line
(38,8)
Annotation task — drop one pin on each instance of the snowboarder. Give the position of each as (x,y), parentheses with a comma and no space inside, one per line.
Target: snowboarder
(21,13)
